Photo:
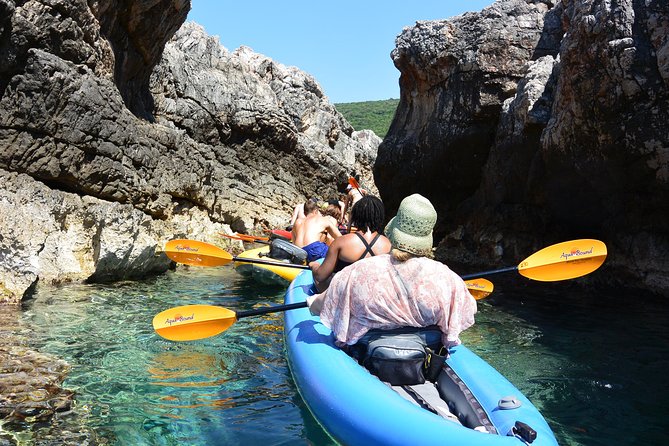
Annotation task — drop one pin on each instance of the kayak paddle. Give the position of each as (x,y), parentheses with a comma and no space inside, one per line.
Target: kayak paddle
(245,238)
(354,184)
(191,322)
(194,253)
(562,261)
(252,237)
(479,288)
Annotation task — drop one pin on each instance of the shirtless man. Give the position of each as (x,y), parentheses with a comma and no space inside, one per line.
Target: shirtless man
(298,212)
(310,232)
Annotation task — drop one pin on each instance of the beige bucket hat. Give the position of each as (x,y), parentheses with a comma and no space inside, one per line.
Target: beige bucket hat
(411,229)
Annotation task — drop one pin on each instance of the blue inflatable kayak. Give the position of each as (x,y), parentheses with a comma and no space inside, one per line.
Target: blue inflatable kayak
(356,408)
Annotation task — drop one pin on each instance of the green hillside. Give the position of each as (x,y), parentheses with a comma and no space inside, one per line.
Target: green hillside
(373,115)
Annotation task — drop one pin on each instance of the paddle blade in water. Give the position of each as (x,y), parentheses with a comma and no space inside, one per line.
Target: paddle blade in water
(479,288)
(191,252)
(565,260)
(191,322)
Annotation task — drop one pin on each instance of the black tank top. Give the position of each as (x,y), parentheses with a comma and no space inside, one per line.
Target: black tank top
(341,264)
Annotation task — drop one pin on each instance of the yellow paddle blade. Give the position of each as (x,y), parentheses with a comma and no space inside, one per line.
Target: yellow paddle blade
(191,252)
(565,260)
(191,322)
(479,288)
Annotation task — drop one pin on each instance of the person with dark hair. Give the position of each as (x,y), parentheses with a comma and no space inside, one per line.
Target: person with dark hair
(368,217)
(332,209)
(405,288)
(311,232)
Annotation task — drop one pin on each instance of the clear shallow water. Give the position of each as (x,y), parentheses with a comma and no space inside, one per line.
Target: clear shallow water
(594,365)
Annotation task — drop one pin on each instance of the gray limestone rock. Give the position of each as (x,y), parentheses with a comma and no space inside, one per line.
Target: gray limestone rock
(533,122)
(142,139)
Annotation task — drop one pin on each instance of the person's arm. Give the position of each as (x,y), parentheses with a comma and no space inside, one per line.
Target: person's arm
(296,227)
(346,206)
(332,228)
(323,271)
(296,213)
(315,303)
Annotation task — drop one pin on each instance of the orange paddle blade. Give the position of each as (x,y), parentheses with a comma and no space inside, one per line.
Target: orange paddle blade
(191,322)
(192,252)
(354,183)
(565,260)
(479,288)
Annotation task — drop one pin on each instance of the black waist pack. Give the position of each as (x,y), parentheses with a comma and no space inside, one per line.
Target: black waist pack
(401,357)
(285,251)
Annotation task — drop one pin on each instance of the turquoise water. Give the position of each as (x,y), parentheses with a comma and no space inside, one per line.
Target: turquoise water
(593,365)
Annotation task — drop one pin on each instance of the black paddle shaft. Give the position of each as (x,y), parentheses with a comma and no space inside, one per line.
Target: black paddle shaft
(269,262)
(274,309)
(489,273)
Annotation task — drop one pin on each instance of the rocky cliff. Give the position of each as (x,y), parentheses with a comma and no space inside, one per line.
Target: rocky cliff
(120,129)
(534,122)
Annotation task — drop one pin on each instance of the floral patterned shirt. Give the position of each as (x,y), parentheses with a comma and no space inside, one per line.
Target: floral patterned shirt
(380,292)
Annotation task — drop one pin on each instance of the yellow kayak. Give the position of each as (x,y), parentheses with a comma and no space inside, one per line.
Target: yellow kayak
(266,273)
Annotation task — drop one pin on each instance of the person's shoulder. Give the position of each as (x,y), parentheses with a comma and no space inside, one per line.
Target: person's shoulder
(384,239)
(329,219)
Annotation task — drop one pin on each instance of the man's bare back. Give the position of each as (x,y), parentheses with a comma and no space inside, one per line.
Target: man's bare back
(314,228)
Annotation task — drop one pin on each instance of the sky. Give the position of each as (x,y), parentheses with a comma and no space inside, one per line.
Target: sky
(344,44)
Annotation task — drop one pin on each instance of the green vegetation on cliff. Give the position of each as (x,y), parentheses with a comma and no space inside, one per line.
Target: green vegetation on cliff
(373,115)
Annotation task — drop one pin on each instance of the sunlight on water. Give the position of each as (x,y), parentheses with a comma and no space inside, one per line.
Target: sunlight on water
(578,361)
(138,388)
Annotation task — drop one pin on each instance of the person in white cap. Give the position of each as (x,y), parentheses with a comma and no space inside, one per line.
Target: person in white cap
(405,288)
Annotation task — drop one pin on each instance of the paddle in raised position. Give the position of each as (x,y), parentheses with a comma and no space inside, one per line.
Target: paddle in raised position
(354,184)
(562,261)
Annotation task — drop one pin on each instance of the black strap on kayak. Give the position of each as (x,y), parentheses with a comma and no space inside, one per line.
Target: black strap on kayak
(462,401)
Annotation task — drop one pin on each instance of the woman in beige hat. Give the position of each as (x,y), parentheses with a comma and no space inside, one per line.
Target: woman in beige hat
(405,288)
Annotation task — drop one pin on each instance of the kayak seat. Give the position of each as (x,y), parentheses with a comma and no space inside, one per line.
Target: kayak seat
(431,336)
(285,251)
